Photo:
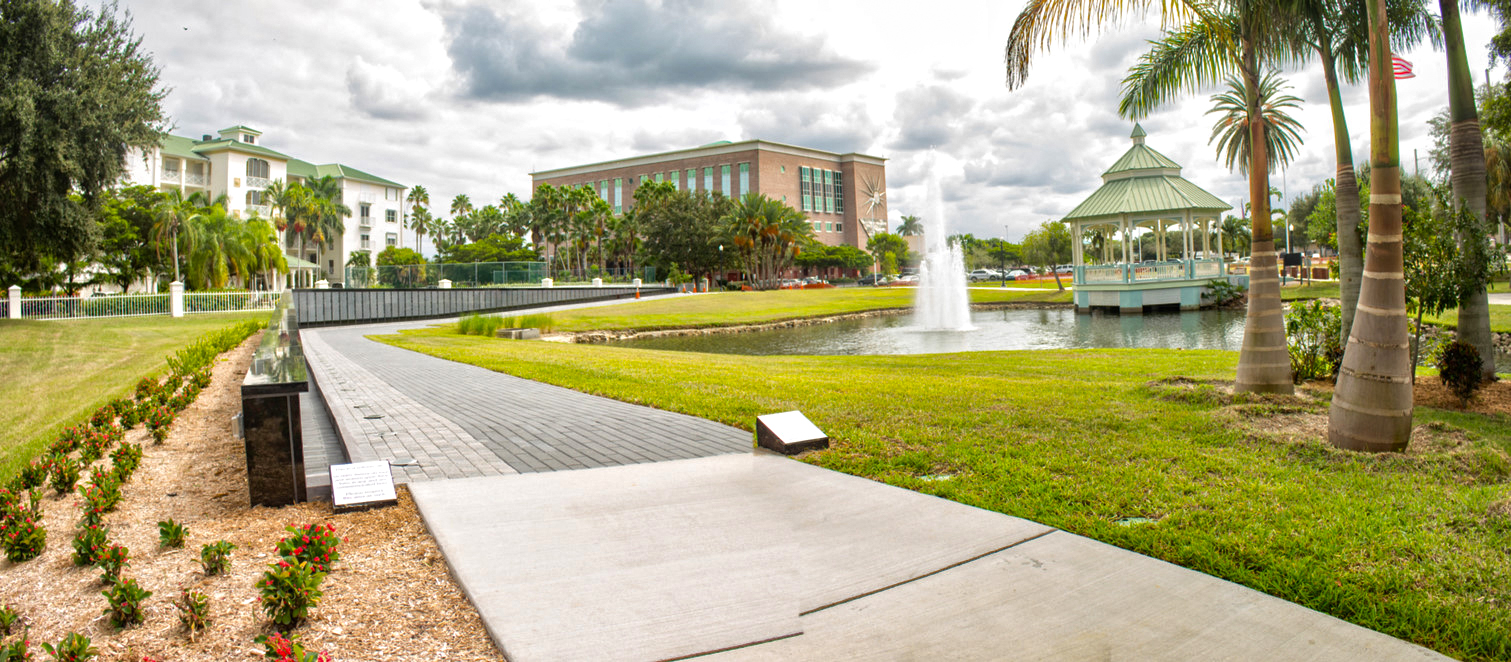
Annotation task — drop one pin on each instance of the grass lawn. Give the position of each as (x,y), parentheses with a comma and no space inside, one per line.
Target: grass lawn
(1500,319)
(1412,545)
(732,308)
(57,373)
(1313,290)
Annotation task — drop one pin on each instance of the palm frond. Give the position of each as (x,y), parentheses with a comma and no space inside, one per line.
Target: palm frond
(1196,56)
(1043,23)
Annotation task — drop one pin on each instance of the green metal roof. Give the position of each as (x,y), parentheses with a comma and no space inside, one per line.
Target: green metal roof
(189,148)
(1144,181)
(180,147)
(307,170)
(296,263)
(218,145)
(242,128)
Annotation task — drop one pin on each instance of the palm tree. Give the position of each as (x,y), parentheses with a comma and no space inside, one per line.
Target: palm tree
(1372,403)
(1466,149)
(326,211)
(1282,133)
(461,205)
(173,213)
(419,201)
(1206,42)
(910,226)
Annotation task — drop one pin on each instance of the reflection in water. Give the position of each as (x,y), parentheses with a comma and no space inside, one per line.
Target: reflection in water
(1058,328)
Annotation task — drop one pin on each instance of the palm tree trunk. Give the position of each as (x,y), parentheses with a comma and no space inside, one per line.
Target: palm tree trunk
(1466,150)
(1371,408)
(175,257)
(1264,364)
(1346,195)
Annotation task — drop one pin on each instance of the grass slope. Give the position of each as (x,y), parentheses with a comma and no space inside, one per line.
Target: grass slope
(733,308)
(1410,545)
(57,373)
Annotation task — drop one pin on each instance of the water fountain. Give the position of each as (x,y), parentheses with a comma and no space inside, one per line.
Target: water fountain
(942,302)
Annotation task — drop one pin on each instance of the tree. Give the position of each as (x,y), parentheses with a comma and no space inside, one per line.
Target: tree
(1282,133)
(682,228)
(405,267)
(492,248)
(883,244)
(767,235)
(126,217)
(1372,403)
(419,213)
(1049,246)
(325,211)
(173,215)
(77,93)
(911,226)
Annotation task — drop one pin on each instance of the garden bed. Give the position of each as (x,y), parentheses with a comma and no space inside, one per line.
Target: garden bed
(388,598)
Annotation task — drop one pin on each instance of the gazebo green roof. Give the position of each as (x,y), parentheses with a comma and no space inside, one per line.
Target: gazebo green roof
(1144,181)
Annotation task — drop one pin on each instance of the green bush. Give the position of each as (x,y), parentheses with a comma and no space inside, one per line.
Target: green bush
(1459,368)
(1314,337)
(478,325)
(1224,292)
(125,602)
(542,321)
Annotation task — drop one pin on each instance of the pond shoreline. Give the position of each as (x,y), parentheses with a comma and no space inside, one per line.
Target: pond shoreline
(598,337)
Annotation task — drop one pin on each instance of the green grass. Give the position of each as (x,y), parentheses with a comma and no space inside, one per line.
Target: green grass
(1313,290)
(1500,319)
(1404,544)
(733,308)
(57,373)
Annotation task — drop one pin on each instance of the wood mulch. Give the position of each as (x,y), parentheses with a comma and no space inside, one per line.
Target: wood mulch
(389,598)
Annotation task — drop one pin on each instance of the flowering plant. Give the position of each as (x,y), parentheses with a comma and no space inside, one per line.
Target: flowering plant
(65,473)
(145,388)
(290,591)
(124,461)
(193,611)
(23,538)
(32,474)
(158,421)
(124,602)
(74,647)
(89,543)
(314,543)
(286,648)
(216,557)
(112,561)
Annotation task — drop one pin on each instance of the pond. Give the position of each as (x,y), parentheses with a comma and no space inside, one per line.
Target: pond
(1059,328)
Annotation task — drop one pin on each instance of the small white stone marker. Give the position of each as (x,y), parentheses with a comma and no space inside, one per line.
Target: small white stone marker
(789,433)
(362,485)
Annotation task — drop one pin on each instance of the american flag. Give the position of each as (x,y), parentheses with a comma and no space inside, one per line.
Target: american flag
(1402,67)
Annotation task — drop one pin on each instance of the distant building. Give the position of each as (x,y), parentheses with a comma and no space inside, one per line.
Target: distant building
(843,195)
(237,165)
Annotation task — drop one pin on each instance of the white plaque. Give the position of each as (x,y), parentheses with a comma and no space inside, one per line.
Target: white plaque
(792,426)
(362,484)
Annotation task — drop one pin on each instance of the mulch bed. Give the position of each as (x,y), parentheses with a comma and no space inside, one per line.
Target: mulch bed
(390,596)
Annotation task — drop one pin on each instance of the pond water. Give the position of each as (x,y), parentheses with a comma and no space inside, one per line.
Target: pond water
(1059,328)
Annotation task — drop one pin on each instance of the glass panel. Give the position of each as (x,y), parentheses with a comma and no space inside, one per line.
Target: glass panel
(692,178)
(744,177)
(839,194)
(724,183)
(708,179)
(676,180)
(828,192)
(806,188)
(618,195)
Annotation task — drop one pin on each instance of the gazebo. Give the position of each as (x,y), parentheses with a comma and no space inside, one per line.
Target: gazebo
(1145,237)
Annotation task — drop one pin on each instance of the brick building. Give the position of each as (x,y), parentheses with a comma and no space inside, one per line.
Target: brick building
(843,195)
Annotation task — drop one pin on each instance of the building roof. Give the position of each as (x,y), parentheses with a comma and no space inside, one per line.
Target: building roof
(720,147)
(307,170)
(1144,181)
(241,128)
(205,147)
(189,148)
(180,147)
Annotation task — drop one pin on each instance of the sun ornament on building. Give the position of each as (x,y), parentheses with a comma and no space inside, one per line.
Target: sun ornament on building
(874,196)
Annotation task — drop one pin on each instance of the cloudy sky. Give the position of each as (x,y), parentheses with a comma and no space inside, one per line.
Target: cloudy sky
(470,97)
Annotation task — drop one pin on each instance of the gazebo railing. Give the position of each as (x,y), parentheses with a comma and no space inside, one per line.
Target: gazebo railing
(1147,273)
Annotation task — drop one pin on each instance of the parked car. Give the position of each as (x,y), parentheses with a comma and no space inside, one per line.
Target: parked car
(1016,274)
(873,279)
(984,274)
(1065,269)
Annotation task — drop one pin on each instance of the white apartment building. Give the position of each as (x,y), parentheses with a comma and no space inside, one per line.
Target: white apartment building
(237,165)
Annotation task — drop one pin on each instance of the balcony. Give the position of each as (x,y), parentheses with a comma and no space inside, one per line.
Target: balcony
(264,211)
(258,182)
(365,221)
(197,180)
(172,176)
(366,245)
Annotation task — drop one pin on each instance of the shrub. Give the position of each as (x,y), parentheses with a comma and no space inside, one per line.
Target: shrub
(1314,338)
(286,648)
(9,619)
(1459,368)
(542,321)
(158,421)
(171,534)
(32,474)
(146,387)
(112,561)
(201,378)
(100,499)
(314,544)
(124,602)
(10,503)
(1224,292)
(65,473)
(89,542)
(23,538)
(124,461)
(193,611)
(74,647)
(102,417)
(15,650)
(67,441)
(131,415)
(290,591)
(216,557)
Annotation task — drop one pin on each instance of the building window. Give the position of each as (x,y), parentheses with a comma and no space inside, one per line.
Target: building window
(692,179)
(618,195)
(254,198)
(250,140)
(744,178)
(839,227)
(603,189)
(366,213)
(805,174)
(839,193)
(392,239)
(828,192)
(708,180)
(366,242)
(658,178)
(391,215)
(676,180)
(257,168)
(724,184)
(817,226)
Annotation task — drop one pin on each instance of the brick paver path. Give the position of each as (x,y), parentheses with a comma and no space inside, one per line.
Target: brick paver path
(456,420)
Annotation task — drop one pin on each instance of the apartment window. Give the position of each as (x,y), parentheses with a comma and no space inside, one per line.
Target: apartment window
(724,183)
(828,192)
(817,226)
(839,193)
(676,180)
(254,198)
(257,168)
(366,242)
(839,227)
(692,179)
(618,195)
(805,174)
(366,213)
(828,227)
(744,178)
(658,178)
(392,239)
(708,180)
(391,215)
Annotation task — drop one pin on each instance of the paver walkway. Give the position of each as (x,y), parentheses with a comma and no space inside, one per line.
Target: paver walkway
(454,420)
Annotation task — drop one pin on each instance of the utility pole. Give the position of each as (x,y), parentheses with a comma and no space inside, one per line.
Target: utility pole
(1002,256)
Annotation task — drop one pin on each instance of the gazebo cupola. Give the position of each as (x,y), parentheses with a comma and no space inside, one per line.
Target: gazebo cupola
(1145,237)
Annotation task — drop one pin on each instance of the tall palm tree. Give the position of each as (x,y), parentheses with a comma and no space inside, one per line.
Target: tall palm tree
(419,200)
(1372,403)
(173,214)
(327,211)
(910,226)
(1466,149)
(1206,42)
(1282,133)
(461,205)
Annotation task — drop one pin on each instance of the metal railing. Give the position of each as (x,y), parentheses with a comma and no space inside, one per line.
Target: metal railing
(172,175)
(1103,274)
(258,182)
(1146,273)
(137,305)
(198,180)
(261,210)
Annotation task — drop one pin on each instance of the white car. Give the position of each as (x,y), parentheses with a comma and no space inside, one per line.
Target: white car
(984,274)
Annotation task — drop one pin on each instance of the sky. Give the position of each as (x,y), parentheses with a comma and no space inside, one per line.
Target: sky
(470,97)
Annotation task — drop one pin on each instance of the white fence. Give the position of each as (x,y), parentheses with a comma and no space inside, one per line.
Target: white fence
(137,305)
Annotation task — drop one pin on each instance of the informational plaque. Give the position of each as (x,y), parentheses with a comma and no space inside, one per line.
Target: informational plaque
(362,485)
(789,433)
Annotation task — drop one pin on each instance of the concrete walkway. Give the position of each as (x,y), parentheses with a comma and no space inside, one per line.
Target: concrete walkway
(675,540)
